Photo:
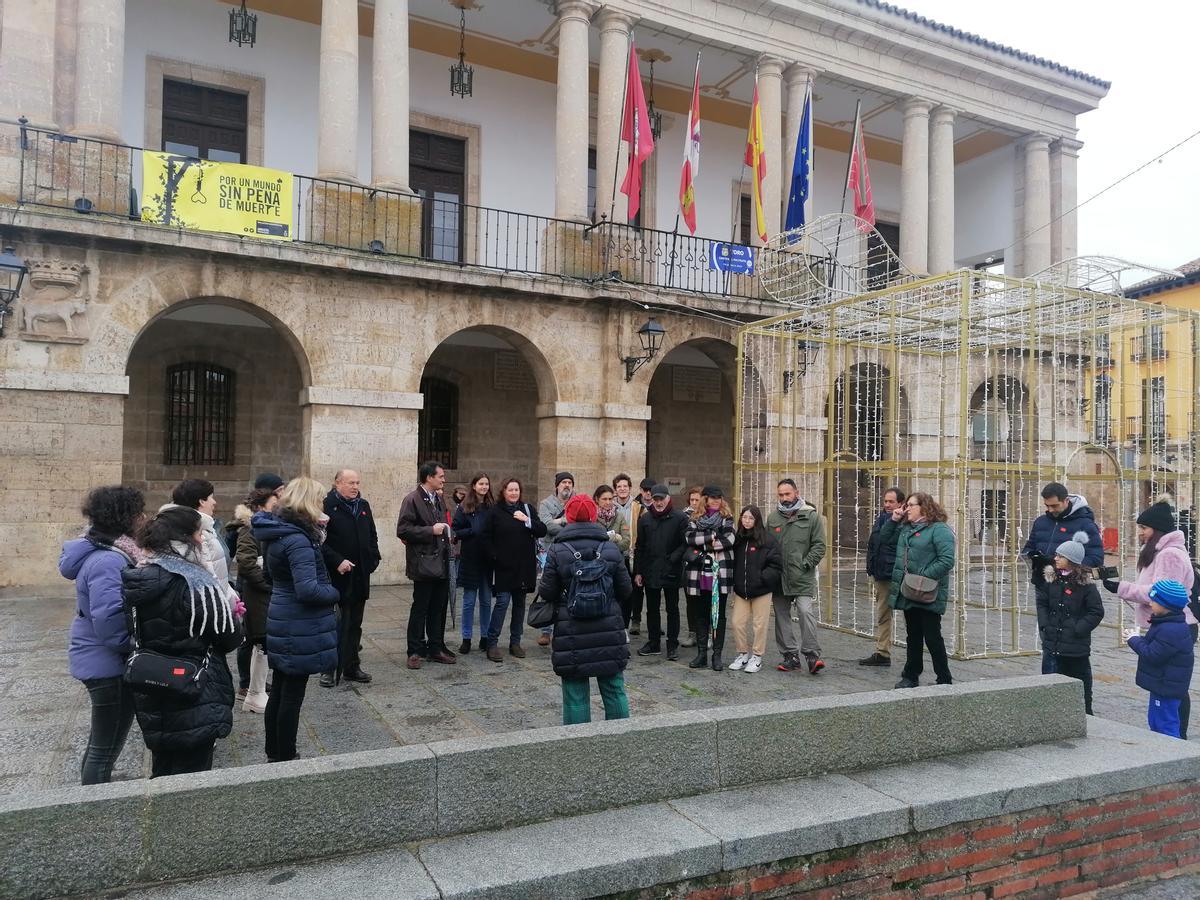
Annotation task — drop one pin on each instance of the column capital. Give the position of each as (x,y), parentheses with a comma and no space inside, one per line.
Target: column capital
(797,74)
(771,66)
(574,9)
(1035,142)
(1067,146)
(943,115)
(916,106)
(611,19)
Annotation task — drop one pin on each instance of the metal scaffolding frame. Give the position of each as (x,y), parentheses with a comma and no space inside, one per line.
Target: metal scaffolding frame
(975,387)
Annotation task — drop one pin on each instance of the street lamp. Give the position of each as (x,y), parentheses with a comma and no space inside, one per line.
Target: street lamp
(243,26)
(650,335)
(462,76)
(12,274)
(806,355)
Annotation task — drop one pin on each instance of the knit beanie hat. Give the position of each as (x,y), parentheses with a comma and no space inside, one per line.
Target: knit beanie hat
(581,508)
(560,477)
(268,481)
(1170,594)
(1073,549)
(1159,517)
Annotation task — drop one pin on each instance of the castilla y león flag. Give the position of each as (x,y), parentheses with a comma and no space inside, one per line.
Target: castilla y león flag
(635,129)
(691,157)
(756,159)
(859,179)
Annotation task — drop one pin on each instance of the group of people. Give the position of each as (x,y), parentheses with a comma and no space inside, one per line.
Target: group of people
(157,610)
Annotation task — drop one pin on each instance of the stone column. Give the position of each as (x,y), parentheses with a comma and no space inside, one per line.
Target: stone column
(770,98)
(337,100)
(914,186)
(1035,228)
(797,78)
(941,190)
(570,439)
(27,62)
(571,115)
(611,157)
(1064,194)
(389,96)
(99,68)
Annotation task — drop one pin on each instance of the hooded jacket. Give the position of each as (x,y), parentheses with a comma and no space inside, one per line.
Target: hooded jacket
(1165,656)
(212,554)
(586,648)
(801,538)
(161,604)
(1049,531)
(1171,562)
(302,634)
(99,642)
(253,585)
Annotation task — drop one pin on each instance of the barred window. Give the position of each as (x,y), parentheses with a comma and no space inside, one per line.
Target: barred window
(437,423)
(199,415)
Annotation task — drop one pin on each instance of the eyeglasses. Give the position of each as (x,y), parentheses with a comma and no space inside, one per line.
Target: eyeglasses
(913,505)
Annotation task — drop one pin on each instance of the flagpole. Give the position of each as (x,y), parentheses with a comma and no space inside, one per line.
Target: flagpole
(612,206)
(845,186)
(687,144)
(737,208)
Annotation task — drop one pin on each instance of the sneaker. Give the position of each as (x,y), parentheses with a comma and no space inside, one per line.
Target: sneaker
(649,649)
(790,663)
(689,641)
(906,683)
(815,665)
(876,659)
(740,662)
(753,665)
(635,627)
(672,652)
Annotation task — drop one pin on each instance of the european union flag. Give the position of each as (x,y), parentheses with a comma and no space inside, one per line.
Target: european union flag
(801,169)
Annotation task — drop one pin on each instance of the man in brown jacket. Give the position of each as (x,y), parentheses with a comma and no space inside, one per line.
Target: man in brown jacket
(426,536)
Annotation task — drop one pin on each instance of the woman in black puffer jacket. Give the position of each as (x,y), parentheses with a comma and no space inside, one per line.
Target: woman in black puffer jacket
(176,608)
(757,575)
(587,648)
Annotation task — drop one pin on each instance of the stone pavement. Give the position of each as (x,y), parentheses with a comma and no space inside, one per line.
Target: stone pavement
(44,712)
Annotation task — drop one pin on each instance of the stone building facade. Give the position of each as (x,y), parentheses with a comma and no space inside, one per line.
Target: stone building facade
(329,353)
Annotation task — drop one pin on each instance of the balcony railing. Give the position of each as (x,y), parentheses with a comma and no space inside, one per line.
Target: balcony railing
(1153,430)
(104,179)
(1147,347)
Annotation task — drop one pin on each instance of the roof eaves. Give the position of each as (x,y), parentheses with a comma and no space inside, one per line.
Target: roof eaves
(967,36)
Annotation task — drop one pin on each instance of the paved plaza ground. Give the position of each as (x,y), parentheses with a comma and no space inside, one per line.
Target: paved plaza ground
(44,712)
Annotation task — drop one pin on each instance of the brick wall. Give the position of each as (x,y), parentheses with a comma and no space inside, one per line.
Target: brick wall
(267,419)
(1057,851)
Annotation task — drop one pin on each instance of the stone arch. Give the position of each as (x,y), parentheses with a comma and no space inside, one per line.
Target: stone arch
(533,355)
(503,384)
(258,422)
(999,419)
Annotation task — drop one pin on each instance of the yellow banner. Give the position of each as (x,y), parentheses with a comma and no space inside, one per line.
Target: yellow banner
(203,195)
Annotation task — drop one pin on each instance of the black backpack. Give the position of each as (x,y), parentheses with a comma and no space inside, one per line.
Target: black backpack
(591,588)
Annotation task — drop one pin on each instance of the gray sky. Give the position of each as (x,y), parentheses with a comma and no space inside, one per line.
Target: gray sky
(1148,51)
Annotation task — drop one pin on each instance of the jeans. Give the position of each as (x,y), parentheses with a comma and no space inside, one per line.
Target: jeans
(1079,667)
(924,626)
(427,618)
(282,719)
(503,600)
(669,595)
(112,714)
(577,700)
(480,597)
(181,762)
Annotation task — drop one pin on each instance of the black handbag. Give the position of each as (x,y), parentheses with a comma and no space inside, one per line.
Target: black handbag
(540,614)
(156,674)
(428,565)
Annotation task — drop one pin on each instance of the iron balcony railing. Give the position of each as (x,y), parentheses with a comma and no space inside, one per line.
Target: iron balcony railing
(1149,346)
(1152,430)
(100,178)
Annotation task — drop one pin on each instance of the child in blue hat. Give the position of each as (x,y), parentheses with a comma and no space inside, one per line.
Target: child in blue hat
(1165,656)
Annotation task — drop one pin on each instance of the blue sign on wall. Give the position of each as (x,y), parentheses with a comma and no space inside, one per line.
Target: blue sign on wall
(737,259)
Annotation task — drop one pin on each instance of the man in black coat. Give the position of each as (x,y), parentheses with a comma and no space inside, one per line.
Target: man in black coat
(881,559)
(426,534)
(657,563)
(351,552)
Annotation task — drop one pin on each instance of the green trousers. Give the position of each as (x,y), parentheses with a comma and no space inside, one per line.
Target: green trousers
(577,698)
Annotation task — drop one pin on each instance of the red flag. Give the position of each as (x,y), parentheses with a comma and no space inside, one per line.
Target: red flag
(756,159)
(635,130)
(691,157)
(859,179)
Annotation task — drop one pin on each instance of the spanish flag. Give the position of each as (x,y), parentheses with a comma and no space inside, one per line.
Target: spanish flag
(756,159)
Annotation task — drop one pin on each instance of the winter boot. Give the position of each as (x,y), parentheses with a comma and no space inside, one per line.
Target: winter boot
(256,694)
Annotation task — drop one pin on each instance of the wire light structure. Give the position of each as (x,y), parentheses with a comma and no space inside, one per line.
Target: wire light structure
(977,388)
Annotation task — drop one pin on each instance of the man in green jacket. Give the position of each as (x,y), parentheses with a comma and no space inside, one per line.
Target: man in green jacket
(798,528)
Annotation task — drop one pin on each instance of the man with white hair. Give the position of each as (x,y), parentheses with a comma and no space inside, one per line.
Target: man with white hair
(351,552)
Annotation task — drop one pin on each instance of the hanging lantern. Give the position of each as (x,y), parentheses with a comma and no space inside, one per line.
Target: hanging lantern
(653,114)
(462,76)
(243,26)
